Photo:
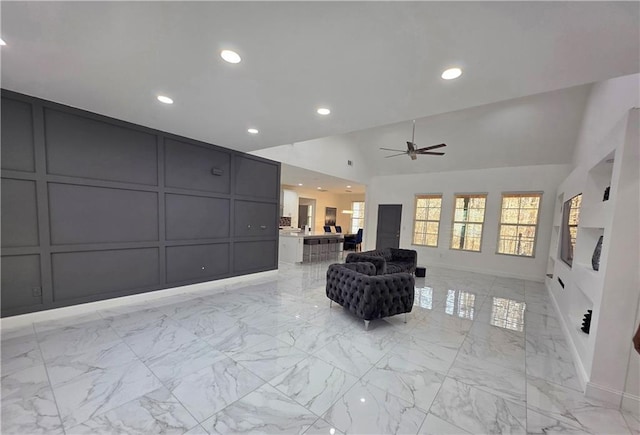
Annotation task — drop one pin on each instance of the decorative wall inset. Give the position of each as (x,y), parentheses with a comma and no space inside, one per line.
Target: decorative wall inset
(95,208)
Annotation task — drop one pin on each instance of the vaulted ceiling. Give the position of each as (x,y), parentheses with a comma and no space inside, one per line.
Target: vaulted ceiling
(372,63)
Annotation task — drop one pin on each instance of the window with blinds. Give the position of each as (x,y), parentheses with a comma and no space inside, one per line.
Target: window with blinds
(468,222)
(427,220)
(519,224)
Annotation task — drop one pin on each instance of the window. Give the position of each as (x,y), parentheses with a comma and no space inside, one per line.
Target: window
(518,224)
(357,218)
(570,219)
(427,220)
(468,220)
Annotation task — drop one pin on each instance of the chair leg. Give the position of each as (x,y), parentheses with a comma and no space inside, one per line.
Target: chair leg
(405,317)
(366,325)
(330,303)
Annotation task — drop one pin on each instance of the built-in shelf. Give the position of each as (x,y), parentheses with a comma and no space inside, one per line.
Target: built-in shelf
(611,291)
(596,215)
(588,281)
(581,340)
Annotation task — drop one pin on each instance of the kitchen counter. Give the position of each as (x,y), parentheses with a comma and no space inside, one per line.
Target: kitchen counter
(292,249)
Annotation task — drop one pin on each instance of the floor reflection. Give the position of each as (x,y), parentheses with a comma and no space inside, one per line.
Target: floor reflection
(423,298)
(460,303)
(508,314)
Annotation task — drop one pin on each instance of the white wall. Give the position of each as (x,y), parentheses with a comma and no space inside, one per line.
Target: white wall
(327,155)
(402,189)
(607,107)
(631,399)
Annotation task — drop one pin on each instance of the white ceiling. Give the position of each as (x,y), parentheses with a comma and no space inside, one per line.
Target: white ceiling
(373,63)
(535,130)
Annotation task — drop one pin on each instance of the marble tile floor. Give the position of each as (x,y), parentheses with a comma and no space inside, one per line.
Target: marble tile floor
(479,354)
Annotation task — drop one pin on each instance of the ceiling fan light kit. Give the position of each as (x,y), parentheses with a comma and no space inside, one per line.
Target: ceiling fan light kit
(414,152)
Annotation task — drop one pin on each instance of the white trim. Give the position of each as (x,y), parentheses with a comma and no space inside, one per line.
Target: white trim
(577,362)
(603,394)
(483,271)
(631,403)
(216,286)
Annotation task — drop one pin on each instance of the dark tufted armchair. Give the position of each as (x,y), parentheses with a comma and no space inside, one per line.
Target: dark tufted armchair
(388,260)
(357,288)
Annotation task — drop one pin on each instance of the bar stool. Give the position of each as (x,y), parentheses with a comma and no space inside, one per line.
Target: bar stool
(333,249)
(311,250)
(324,249)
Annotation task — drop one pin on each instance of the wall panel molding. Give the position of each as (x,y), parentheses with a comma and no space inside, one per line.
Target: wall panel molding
(109,208)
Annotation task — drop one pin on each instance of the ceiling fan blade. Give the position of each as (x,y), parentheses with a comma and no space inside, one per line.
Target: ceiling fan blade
(430,153)
(432,147)
(395,155)
(390,149)
(410,147)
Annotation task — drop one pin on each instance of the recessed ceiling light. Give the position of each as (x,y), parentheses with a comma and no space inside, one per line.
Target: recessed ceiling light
(252,131)
(323,111)
(452,73)
(299,184)
(230,56)
(2,42)
(319,188)
(348,187)
(362,399)
(164,99)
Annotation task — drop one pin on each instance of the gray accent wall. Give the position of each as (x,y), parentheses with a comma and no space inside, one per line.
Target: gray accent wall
(95,208)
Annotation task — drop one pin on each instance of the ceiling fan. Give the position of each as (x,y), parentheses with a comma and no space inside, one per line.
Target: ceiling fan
(412,151)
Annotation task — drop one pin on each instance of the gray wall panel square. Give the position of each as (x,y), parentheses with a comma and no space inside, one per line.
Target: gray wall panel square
(256,178)
(197,262)
(19,213)
(82,274)
(255,219)
(190,166)
(17,136)
(85,214)
(196,217)
(20,275)
(254,256)
(83,147)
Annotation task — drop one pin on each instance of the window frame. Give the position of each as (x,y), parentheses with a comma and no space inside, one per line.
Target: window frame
(415,210)
(353,218)
(537,224)
(453,219)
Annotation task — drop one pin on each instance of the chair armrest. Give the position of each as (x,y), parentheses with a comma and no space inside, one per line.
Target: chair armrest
(379,262)
(365,267)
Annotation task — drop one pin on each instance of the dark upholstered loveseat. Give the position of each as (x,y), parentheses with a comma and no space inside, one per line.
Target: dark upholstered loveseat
(368,296)
(388,260)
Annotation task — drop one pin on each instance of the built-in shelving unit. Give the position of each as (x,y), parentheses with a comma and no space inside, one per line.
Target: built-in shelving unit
(585,288)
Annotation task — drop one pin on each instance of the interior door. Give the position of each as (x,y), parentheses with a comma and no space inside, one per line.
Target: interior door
(303,213)
(388,231)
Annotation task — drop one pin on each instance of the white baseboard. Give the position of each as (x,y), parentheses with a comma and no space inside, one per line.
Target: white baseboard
(631,404)
(577,361)
(484,271)
(604,394)
(216,286)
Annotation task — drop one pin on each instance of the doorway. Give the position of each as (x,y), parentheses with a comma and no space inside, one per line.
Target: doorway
(388,230)
(306,212)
